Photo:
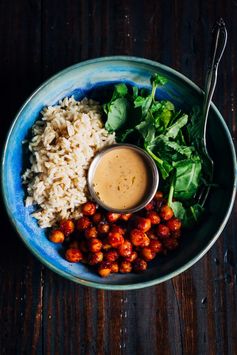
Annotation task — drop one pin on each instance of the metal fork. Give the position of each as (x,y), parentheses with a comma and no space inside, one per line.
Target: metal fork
(219,39)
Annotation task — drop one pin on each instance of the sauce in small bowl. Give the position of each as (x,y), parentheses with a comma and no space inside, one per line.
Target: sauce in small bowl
(123,178)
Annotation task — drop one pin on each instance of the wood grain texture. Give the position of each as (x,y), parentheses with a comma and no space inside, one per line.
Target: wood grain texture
(40,312)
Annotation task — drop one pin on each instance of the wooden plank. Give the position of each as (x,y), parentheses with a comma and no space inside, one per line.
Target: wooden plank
(20,272)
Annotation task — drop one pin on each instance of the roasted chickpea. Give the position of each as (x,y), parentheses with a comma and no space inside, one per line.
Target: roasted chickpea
(125,216)
(83,246)
(150,206)
(125,249)
(91,232)
(159,195)
(117,229)
(67,227)
(125,267)
(144,224)
(73,255)
(94,245)
(88,209)
(95,258)
(97,218)
(115,239)
(114,267)
(112,217)
(151,234)
(174,224)
(104,268)
(139,238)
(83,223)
(132,257)
(56,236)
(166,212)
(139,265)
(103,228)
(106,246)
(170,243)
(153,217)
(162,231)
(111,255)
(176,234)
(156,246)
(147,253)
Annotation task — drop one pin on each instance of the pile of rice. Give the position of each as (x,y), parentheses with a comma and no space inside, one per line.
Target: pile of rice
(64,142)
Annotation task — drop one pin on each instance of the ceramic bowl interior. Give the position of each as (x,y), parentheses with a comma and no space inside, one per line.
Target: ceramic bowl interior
(94,78)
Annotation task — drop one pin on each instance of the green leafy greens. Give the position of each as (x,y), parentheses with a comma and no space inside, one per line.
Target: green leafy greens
(168,135)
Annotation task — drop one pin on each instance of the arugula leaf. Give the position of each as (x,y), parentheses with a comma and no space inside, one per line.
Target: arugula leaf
(193,215)
(173,130)
(187,177)
(164,167)
(158,80)
(172,151)
(118,114)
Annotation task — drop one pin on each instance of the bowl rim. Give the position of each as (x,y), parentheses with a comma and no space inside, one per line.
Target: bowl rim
(112,286)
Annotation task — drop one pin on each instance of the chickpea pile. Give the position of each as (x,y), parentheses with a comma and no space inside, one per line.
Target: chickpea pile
(115,242)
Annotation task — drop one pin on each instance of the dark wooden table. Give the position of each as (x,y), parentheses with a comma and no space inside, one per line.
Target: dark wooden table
(42,313)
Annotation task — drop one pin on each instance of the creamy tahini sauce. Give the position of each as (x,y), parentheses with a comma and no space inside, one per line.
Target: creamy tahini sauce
(121,178)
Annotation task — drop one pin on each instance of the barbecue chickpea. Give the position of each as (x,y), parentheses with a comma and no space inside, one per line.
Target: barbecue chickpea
(83,223)
(125,216)
(132,257)
(170,243)
(153,217)
(106,246)
(156,246)
(104,268)
(117,229)
(176,234)
(151,234)
(83,246)
(149,206)
(56,236)
(139,238)
(144,224)
(166,212)
(125,267)
(95,258)
(115,239)
(114,267)
(159,195)
(88,209)
(162,231)
(174,224)
(73,255)
(103,228)
(112,217)
(111,255)
(147,253)
(125,249)
(97,218)
(94,245)
(67,227)
(91,232)
(139,265)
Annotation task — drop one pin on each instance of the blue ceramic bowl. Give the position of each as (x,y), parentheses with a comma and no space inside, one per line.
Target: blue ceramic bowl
(91,77)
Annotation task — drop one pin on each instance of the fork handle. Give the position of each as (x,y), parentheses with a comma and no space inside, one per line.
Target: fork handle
(219,39)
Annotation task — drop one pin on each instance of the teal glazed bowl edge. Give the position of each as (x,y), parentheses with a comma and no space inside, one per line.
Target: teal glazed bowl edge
(88,78)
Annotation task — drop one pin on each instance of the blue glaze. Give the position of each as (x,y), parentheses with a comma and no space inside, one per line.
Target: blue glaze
(80,80)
